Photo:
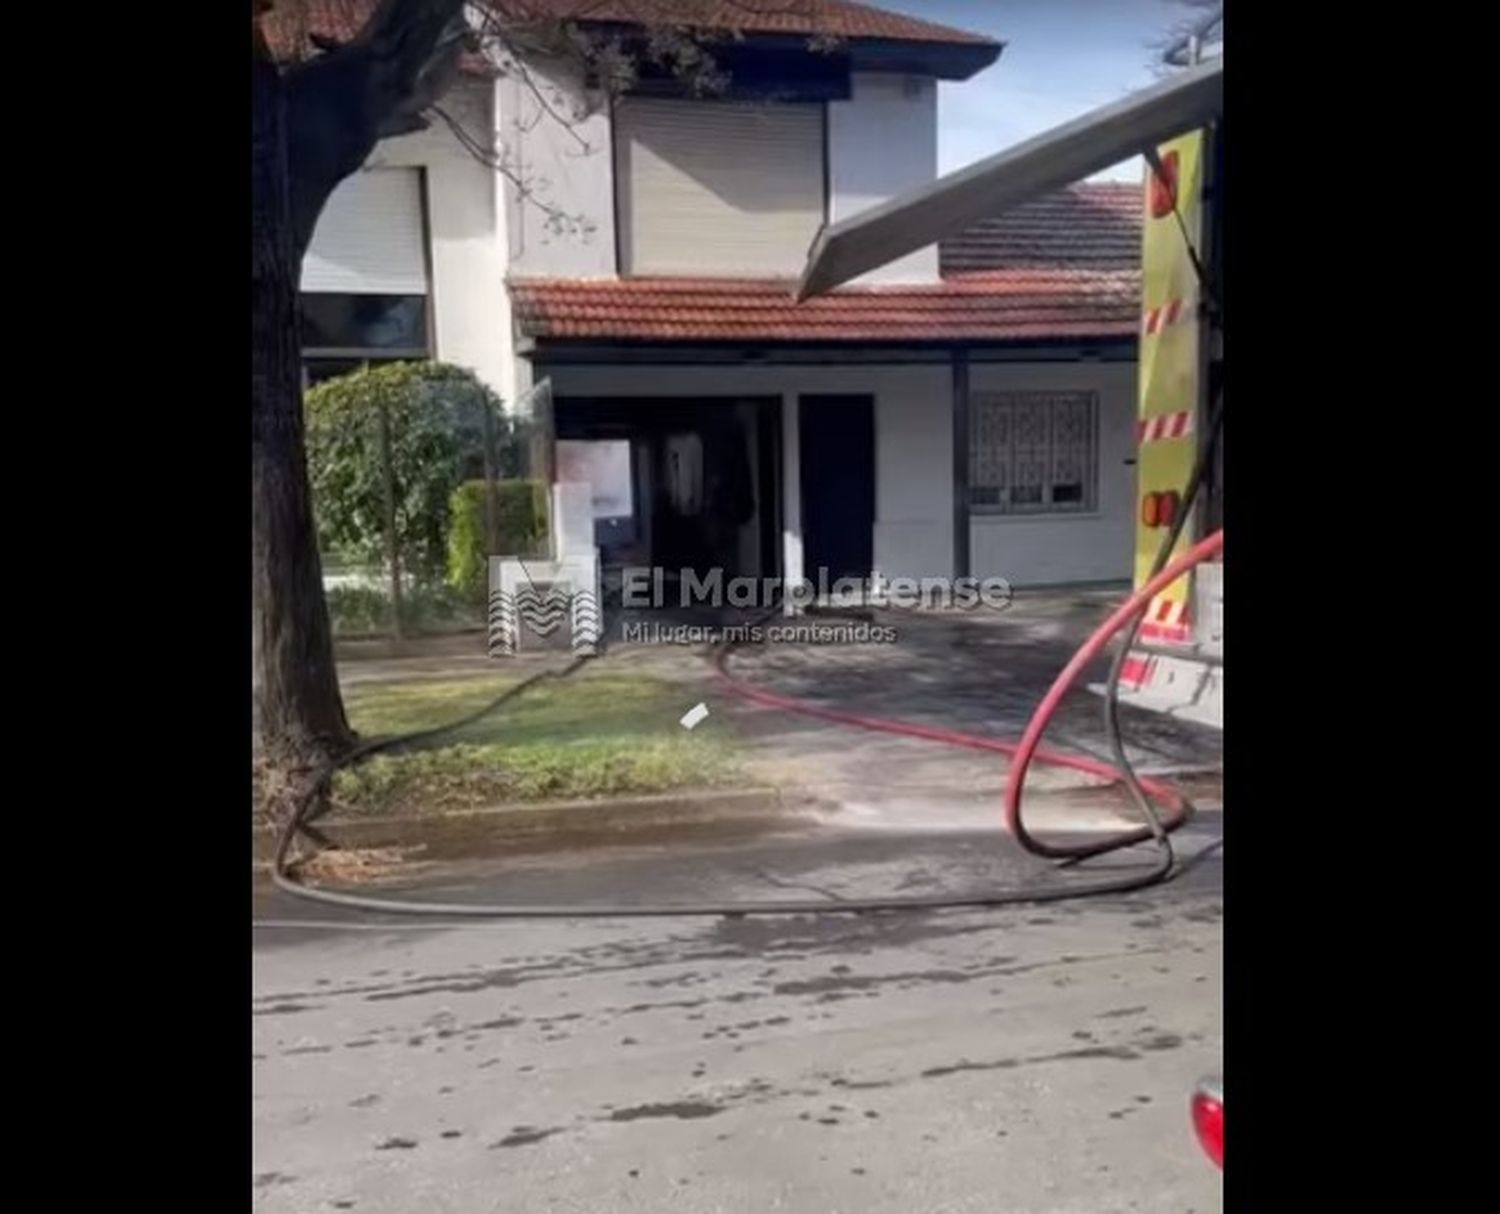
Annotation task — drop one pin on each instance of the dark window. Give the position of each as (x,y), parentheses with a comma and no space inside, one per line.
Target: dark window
(364,322)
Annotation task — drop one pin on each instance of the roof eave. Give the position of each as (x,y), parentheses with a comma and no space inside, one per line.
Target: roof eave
(956,60)
(942,60)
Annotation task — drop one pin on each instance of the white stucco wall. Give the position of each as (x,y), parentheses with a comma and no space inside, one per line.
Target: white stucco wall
(883,142)
(913,461)
(562,159)
(483,227)
(470,308)
(1093,547)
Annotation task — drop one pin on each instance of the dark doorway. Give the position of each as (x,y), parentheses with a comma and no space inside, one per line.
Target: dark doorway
(705,480)
(838,485)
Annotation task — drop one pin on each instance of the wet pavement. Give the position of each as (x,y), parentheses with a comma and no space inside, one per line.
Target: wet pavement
(1023,1059)
(1035,1058)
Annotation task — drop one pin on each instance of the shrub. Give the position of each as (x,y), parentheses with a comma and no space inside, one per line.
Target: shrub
(521,526)
(437,431)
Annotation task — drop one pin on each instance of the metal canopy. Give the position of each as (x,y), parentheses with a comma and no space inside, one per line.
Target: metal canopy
(1053,159)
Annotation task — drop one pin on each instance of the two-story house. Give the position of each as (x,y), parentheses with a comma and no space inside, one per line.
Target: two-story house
(639,251)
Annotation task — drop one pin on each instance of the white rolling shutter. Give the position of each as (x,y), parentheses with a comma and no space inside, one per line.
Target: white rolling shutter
(369,237)
(718,187)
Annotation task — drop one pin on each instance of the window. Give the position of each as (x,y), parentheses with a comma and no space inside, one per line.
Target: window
(369,238)
(717,187)
(342,333)
(364,295)
(1034,452)
(390,324)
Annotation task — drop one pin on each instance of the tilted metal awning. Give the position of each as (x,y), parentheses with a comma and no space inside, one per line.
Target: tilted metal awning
(1048,161)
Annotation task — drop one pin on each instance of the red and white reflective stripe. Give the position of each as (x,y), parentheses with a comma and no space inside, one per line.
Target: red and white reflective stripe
(1136,670)
(1169,313)
(1164,425)
(1167,620)
(1165,632)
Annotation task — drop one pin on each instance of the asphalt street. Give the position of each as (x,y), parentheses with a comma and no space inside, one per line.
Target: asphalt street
(1028,1059)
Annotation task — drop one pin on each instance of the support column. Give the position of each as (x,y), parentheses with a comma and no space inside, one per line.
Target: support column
(791,493)
(960,463)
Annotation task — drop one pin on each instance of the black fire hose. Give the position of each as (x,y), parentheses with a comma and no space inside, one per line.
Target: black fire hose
(1161,870)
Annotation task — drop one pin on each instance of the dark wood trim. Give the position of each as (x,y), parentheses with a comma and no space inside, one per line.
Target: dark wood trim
(827,169)
(961,530)
(424,202)
(548,352)
(615,183)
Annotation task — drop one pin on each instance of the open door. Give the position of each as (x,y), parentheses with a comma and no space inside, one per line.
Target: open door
(837,439)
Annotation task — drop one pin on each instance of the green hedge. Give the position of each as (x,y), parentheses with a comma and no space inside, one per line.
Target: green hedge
(522,509)
(359,611)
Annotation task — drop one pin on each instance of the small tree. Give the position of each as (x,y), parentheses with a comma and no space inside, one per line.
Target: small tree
(390,444)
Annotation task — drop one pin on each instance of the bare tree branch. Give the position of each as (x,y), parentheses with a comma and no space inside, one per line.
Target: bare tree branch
(364,70)
(529,80)
(558,220)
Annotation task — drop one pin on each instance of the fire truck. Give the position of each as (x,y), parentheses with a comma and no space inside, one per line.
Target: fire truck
(1175,664)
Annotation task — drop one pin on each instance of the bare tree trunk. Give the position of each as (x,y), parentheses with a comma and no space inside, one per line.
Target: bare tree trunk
(299,713)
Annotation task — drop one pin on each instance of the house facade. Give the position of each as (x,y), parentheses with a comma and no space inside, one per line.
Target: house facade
(967,409)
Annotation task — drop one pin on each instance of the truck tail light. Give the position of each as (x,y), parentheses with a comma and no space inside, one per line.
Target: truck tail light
(1160,509)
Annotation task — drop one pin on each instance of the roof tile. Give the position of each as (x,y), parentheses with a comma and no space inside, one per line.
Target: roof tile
(288,25)
(980,305)
(1063,266)
(831,18)
(1092,225)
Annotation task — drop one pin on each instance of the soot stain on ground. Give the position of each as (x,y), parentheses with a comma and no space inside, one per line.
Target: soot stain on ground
(936,1072)
(1118,1053)
(526,1135)
(683,1110)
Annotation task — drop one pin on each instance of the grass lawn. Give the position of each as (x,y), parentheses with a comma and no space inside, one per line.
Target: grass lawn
(593,735)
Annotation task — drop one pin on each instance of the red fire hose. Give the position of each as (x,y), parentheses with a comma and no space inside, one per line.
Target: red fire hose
(1029,747)
(1022,752)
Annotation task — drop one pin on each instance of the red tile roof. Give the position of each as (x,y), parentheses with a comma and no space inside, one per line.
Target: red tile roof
(1065,266)
(982,305)
(831,18)
(1092,225)
(289,23)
